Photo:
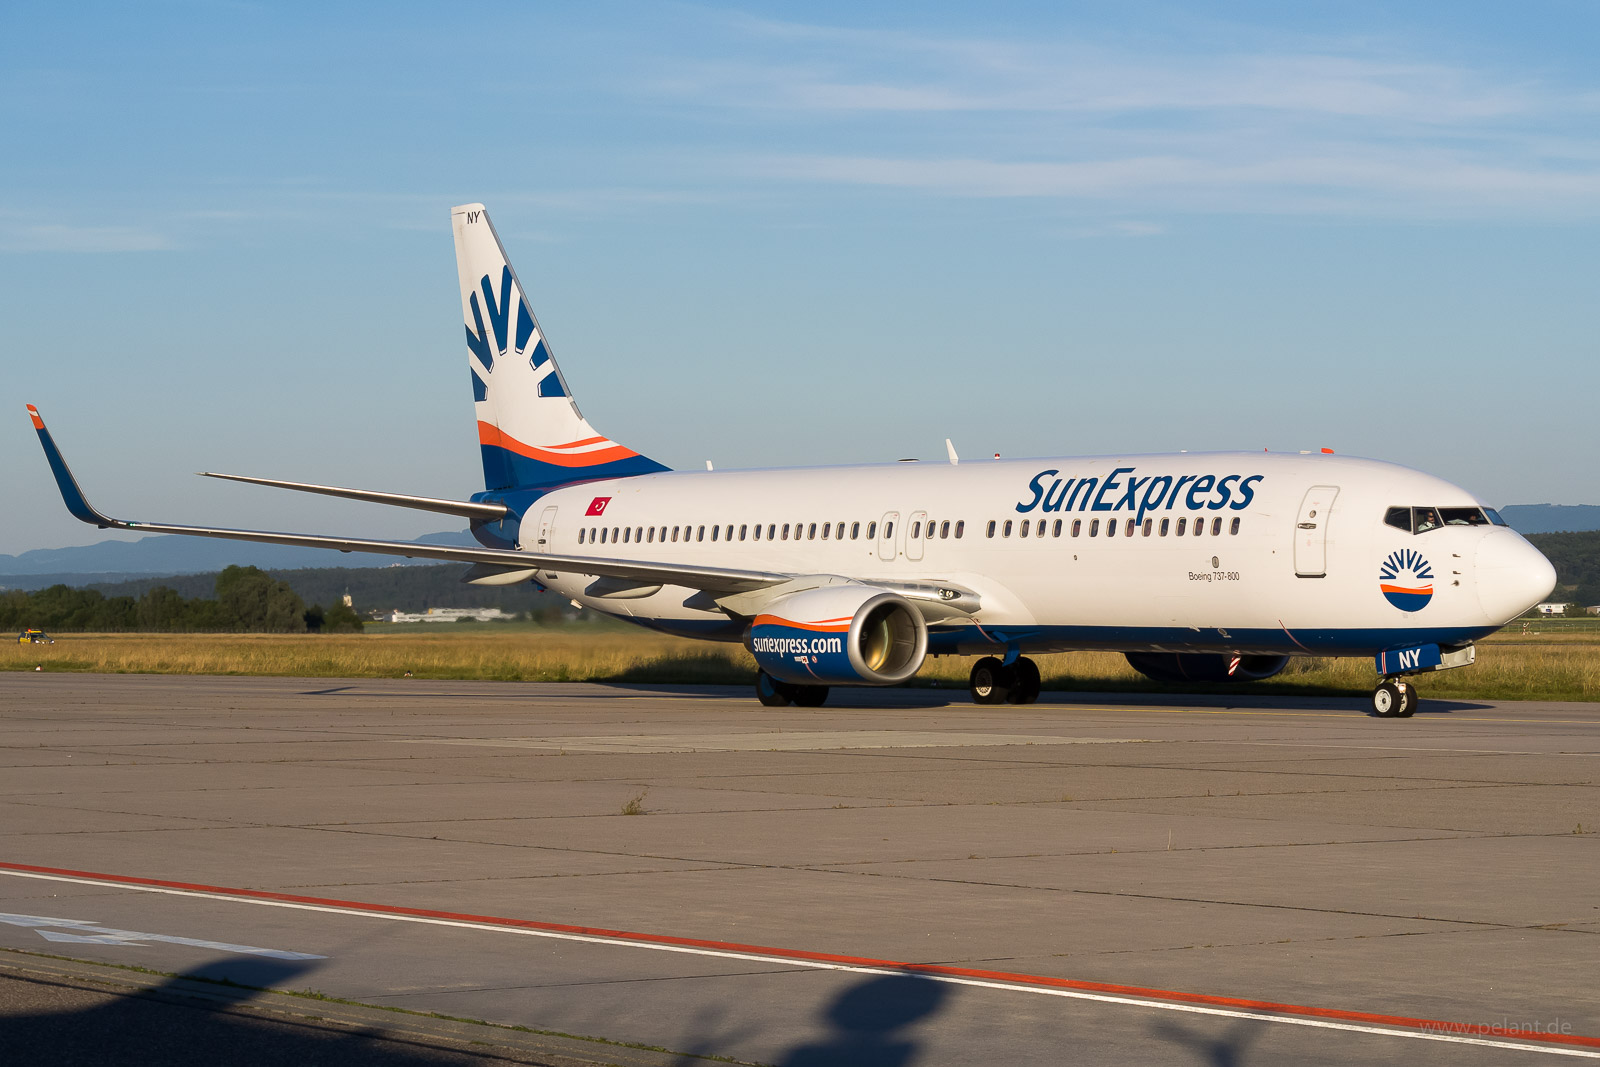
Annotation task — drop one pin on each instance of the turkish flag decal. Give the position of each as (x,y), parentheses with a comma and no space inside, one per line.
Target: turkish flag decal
(597,506)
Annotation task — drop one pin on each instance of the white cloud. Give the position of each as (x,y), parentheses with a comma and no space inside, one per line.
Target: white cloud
(57,237)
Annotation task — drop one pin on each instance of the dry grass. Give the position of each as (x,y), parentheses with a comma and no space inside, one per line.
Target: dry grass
(1551,666)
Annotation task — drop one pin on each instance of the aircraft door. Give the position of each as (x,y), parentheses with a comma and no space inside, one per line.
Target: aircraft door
(547,525)
(887,529)
(914,534)
(1311,532)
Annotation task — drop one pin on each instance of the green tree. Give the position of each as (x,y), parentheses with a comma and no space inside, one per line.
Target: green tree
(341,618)
(252,601)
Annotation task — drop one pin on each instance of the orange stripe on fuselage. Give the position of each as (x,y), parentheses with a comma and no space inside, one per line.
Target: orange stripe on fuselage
(828,626)
(492,435)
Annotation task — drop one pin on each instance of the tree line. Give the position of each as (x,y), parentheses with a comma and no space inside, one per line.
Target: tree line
(246,600)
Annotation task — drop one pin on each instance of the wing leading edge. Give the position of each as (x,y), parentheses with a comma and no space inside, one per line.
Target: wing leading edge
(711,579)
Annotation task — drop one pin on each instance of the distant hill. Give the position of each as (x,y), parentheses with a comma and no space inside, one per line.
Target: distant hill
(167,554)
(1551,518)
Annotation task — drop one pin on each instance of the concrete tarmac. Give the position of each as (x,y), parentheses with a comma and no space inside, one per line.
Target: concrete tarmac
(898,877)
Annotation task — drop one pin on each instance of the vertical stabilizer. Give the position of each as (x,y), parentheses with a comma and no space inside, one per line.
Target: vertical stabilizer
(530,430)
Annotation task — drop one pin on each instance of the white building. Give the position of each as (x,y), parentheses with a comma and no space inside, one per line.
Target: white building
(449,615)
(1550,608)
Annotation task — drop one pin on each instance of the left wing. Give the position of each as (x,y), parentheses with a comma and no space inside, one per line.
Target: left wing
(717,580)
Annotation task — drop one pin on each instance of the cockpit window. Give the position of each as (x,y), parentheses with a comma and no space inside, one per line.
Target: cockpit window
(1463,517)
(1422,519)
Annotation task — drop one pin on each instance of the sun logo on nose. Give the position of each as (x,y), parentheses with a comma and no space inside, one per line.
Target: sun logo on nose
(1406,580)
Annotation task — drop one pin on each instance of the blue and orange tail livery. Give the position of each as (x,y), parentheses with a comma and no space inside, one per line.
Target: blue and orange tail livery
(530,430)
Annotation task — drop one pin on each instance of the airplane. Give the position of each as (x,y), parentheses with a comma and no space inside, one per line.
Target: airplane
(1196,566)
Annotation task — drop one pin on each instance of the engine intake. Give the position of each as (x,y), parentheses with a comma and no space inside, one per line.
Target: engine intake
(1175,668)
(839,635)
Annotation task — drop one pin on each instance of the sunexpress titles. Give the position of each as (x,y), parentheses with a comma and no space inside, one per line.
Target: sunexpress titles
(1153,492)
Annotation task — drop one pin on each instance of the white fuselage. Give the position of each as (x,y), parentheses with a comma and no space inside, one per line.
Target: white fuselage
(1211,551)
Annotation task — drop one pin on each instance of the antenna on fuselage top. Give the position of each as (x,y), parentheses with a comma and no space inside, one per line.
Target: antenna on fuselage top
(950,448)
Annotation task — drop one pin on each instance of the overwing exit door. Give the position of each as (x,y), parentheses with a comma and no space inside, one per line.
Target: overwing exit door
(1311,532)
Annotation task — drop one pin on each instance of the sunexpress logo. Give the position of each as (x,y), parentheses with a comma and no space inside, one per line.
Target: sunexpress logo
(1153,492)
(488,343)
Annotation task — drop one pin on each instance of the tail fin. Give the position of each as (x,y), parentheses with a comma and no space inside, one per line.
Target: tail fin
(530,430)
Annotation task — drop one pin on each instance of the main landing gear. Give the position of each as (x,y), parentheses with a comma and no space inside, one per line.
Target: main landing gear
(776,694)
(1395,698)
(992,682)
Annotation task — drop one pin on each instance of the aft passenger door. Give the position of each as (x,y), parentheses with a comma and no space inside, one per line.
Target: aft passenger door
(886,532)
(1311,532)
(547,525)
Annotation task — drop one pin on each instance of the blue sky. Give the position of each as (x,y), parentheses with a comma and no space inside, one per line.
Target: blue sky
(781,234)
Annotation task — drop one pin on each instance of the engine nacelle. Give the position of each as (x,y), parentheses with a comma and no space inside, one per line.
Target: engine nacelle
(839,635)
(1175,668)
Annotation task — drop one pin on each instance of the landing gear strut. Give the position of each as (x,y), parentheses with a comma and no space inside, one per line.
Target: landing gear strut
(992,682)
(776,694)
(1395,698)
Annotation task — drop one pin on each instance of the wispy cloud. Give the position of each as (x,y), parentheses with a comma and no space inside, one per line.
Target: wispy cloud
(58,237)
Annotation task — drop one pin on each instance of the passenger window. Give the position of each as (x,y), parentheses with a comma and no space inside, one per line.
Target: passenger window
(627,535)
(944,529)
(1094,527)
(1022,528)
(1055,531)
(1165,525)
(650,536)
(1129,530)
(1233,527)
(1111,527)
(916,530)
(855,531)
(825,529)
(602,535)
(580,535)
(888,529)
(930,528)
(1399,518)
(838,532)
(1216,526)
(1183,525)
(700,534)
(663,535)
(961,526)
(786,531)
(872,530)
(638,535)
(1149,525)
(772,528)
(811,532)
(1039,530)
(991,527)
(1077,527)
(1006,530)
(675,533)
(1199,526)
(714,530)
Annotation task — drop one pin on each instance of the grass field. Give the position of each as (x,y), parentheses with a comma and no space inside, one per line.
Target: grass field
(1555,663)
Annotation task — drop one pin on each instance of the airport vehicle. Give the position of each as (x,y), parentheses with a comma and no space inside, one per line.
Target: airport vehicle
(1195,565)
(35,637)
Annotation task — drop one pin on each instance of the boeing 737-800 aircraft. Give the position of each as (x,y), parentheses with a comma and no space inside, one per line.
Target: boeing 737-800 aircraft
(1196,565)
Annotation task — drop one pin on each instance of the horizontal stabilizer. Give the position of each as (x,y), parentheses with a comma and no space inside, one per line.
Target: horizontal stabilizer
(466,508)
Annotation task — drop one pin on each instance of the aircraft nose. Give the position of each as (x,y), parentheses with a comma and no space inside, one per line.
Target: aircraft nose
(1512,575)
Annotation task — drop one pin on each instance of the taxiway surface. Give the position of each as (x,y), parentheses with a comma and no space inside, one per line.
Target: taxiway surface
(897,877)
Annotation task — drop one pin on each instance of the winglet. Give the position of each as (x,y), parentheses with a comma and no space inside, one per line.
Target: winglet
(76,502)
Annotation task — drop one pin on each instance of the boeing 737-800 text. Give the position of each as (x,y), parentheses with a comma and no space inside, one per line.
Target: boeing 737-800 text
(1195,565)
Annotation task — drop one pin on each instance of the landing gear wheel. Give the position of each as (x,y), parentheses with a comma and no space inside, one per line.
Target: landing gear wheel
(1387,699)
(773,693)
(1026,691)
(810,696)
(1408,700)
(990,683)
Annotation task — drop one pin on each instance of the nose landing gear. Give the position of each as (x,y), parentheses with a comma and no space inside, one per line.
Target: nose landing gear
(1395,698)
(992,682)
(776,694)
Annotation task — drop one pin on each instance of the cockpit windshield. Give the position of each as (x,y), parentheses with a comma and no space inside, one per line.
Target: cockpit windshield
(1420,520)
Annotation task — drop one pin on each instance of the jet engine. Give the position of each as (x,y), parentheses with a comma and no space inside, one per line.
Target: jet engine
(1177,667)
(839,635)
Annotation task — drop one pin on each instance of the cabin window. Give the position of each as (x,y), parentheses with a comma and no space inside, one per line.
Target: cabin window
(825,528)
(700,533)
(1094,527)
(727,534)
(1233,527)
(991,527)
(1039,532)
(1199,526)
(1149,526)
(811,532)
(650,536)
(1055,531)
(855,531)
(1131,526)
(1216,526)
(1166,524)
(638,535)
(944,530)
(916,529)
(1111,527)
(961,528)
(1183,524)
(1022,528)
(743,529)
(888,528)
(714,533)
(602,535)
(1007,529)
(872,530)
(755,532)
(663,535)
(1077,527)
(772,529)
(675,533)
(930,528)
(786,531)
(627,534)
(580,535)
(838,531)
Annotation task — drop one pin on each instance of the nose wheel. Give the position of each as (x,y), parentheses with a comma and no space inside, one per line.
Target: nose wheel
(992,682)
(1395,698)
